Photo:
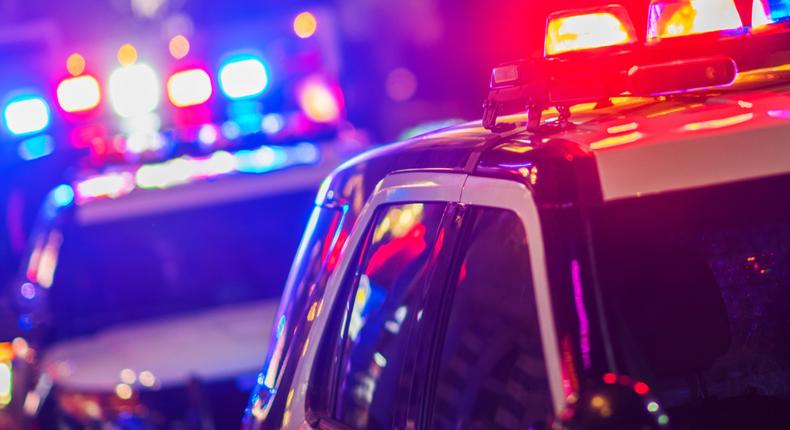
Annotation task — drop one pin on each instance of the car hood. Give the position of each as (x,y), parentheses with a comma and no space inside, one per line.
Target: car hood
(213,344)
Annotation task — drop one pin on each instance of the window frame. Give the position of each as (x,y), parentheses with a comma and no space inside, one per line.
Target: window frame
(430,283)
(444,296)
(516,197)
(427,186)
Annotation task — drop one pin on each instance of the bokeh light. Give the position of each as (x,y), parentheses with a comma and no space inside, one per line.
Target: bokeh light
(401,84)
(139,142)
(79,94)
(75,64)
(123,391)
(36,147)
(147,379)
(318,102)
(127,54)
(62,195)
(179,46)
(242,77)
(207,134)
(134,90)
(28,291)
(107,185)
(147,8)
(305,25)
(20,347)
(189,87)
(128,376)
(272,123)
(26,115)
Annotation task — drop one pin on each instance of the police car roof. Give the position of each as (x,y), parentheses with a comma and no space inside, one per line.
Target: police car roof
(701,138)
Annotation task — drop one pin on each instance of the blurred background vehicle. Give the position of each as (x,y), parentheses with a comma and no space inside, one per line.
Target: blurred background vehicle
(152,306)
(145,143)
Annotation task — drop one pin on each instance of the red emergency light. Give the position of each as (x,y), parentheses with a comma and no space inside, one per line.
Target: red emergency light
(690,45)
(583,30)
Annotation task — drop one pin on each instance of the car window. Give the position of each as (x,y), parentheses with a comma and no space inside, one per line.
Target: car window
(137,268)
(383,311)
(697,289)
(491,372)
(316,260)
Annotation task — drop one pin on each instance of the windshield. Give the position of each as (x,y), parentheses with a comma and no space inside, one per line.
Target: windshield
(156,266)
(698,288)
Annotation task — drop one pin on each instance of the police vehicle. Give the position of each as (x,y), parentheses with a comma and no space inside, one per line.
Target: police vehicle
(145,307)
(615,257)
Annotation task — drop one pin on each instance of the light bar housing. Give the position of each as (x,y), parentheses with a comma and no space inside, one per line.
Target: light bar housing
(681,76)
(510,74)
(562,77)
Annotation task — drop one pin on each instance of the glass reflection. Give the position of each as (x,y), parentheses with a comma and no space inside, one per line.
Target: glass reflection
(390,282)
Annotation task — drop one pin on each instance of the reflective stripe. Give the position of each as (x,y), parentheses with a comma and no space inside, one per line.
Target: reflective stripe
(509,195)
(633,171)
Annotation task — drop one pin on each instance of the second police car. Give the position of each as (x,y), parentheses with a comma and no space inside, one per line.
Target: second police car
(618,257)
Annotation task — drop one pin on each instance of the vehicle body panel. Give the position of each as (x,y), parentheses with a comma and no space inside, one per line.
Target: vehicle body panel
(562,171)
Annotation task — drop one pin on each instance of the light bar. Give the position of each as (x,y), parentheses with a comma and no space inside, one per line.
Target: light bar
(681,76)
(260,160)
(134,90)
(676,18)
(189,88)
(766,12)
(186,169)
(110,185)
(243,77)
(581,30)
(79,94)
(26,115)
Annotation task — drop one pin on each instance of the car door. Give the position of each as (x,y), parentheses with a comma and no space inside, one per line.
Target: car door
(360,371)
(438,325)
(379,315)
(482,364)
(378,284)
